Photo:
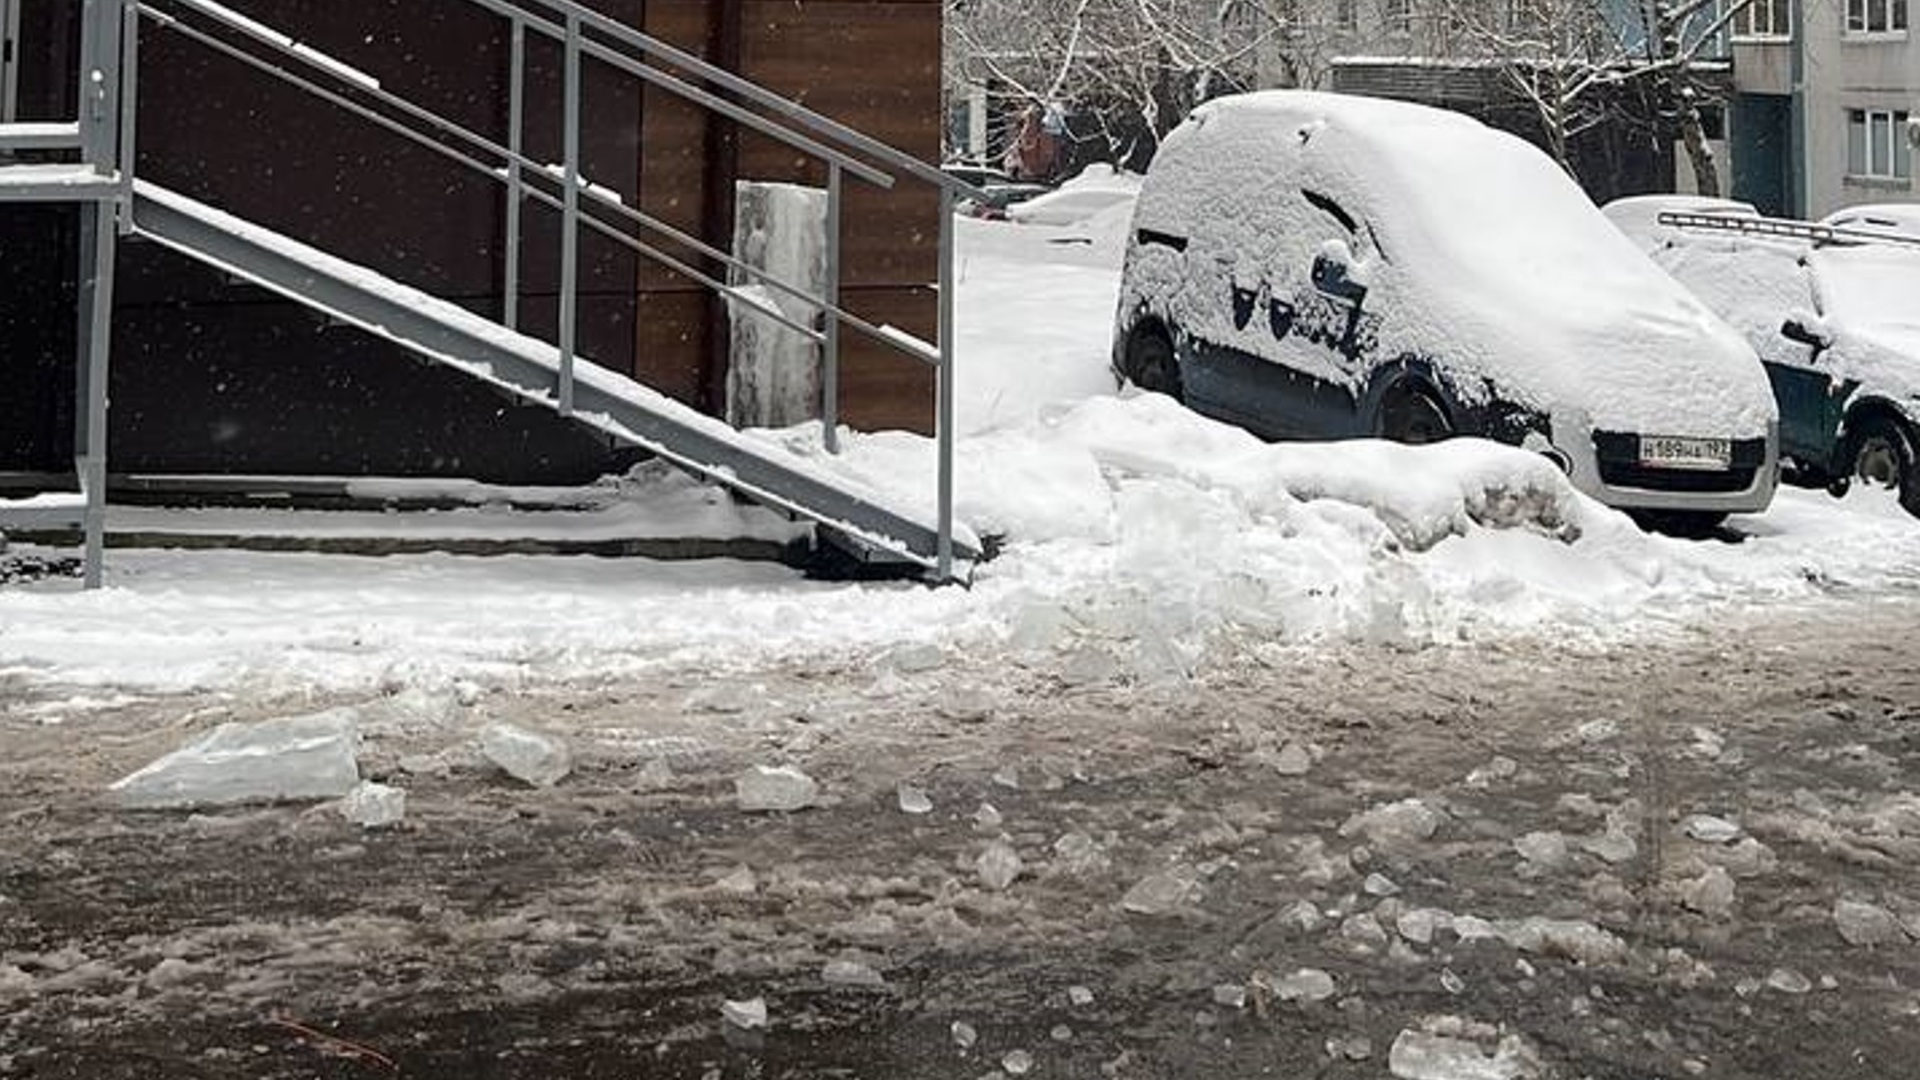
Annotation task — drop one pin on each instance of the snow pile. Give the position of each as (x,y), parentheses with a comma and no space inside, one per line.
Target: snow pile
(1142,543)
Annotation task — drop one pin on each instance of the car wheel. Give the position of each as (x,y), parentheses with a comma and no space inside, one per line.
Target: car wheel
(1883,457)
(1150,363)
(1413,416)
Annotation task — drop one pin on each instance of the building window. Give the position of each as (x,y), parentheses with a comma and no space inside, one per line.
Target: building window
(1398,15)
(1770,20)
(1346,14)
(1877,145)
(1876,16)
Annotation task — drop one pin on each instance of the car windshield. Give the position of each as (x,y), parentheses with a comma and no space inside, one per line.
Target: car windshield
(1497,218)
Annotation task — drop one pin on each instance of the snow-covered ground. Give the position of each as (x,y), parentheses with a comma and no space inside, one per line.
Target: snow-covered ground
(1141,541)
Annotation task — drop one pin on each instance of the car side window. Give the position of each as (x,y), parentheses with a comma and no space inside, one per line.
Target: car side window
(1331,209)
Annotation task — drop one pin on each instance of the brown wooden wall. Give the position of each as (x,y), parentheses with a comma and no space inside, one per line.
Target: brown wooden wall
(822,54)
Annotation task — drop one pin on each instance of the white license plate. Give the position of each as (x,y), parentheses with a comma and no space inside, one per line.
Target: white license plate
(1676,452)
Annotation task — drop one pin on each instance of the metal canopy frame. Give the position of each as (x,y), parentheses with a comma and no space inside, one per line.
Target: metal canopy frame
(103,136)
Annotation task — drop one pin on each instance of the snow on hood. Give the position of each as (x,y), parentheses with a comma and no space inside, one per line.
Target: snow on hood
(1490,257)
(1754,284)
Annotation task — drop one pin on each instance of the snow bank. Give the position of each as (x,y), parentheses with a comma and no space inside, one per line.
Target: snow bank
(1143,542)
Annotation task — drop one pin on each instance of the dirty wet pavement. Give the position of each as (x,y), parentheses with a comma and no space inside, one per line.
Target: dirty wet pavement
(1697,854)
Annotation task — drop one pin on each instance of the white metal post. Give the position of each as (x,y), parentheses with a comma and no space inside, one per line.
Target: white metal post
(570,217)
(97,238)
(516,107)
(9,60)
(943,418)
(830,348)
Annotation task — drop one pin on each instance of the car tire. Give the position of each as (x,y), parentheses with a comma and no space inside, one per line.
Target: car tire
(1882,454)
(1415,417)
(1150,363)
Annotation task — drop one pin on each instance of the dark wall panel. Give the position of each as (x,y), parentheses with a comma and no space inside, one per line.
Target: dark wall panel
(232,379)
(37,331)
(882,388)
(214,377)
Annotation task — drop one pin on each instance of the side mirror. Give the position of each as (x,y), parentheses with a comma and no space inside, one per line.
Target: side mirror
(1805,331)
(1333,279)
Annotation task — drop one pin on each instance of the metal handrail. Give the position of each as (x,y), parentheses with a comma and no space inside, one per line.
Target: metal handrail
(519,161)
(759,95)
(576,196)
(525,165)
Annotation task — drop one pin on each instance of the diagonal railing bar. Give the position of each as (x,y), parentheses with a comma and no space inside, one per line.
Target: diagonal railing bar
(681,88)
(529,168)
(532,168)
(745,88)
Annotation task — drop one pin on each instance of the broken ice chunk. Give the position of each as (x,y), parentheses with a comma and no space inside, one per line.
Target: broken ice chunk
(998,866)
(293,758)
(527,756)
(774,789)
(749,1014)
(913,799)
(374,806)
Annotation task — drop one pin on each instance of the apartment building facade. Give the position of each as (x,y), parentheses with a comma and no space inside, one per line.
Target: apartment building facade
(1826,111)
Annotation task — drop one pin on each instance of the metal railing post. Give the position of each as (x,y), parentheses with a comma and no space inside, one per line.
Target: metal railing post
(95,317)
(570,217)
(92,82)
(943,402)
(129,108)
(830,348)
(516,108)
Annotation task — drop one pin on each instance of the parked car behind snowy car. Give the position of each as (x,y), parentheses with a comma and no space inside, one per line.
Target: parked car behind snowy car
(1894,219)
(1835,317)
(1639,215)
(1311,265)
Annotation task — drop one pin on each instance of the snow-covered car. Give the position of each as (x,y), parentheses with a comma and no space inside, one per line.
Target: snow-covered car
(1097,189)
(1319,266)
(1837,326)
(996,197)
(1639,215)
